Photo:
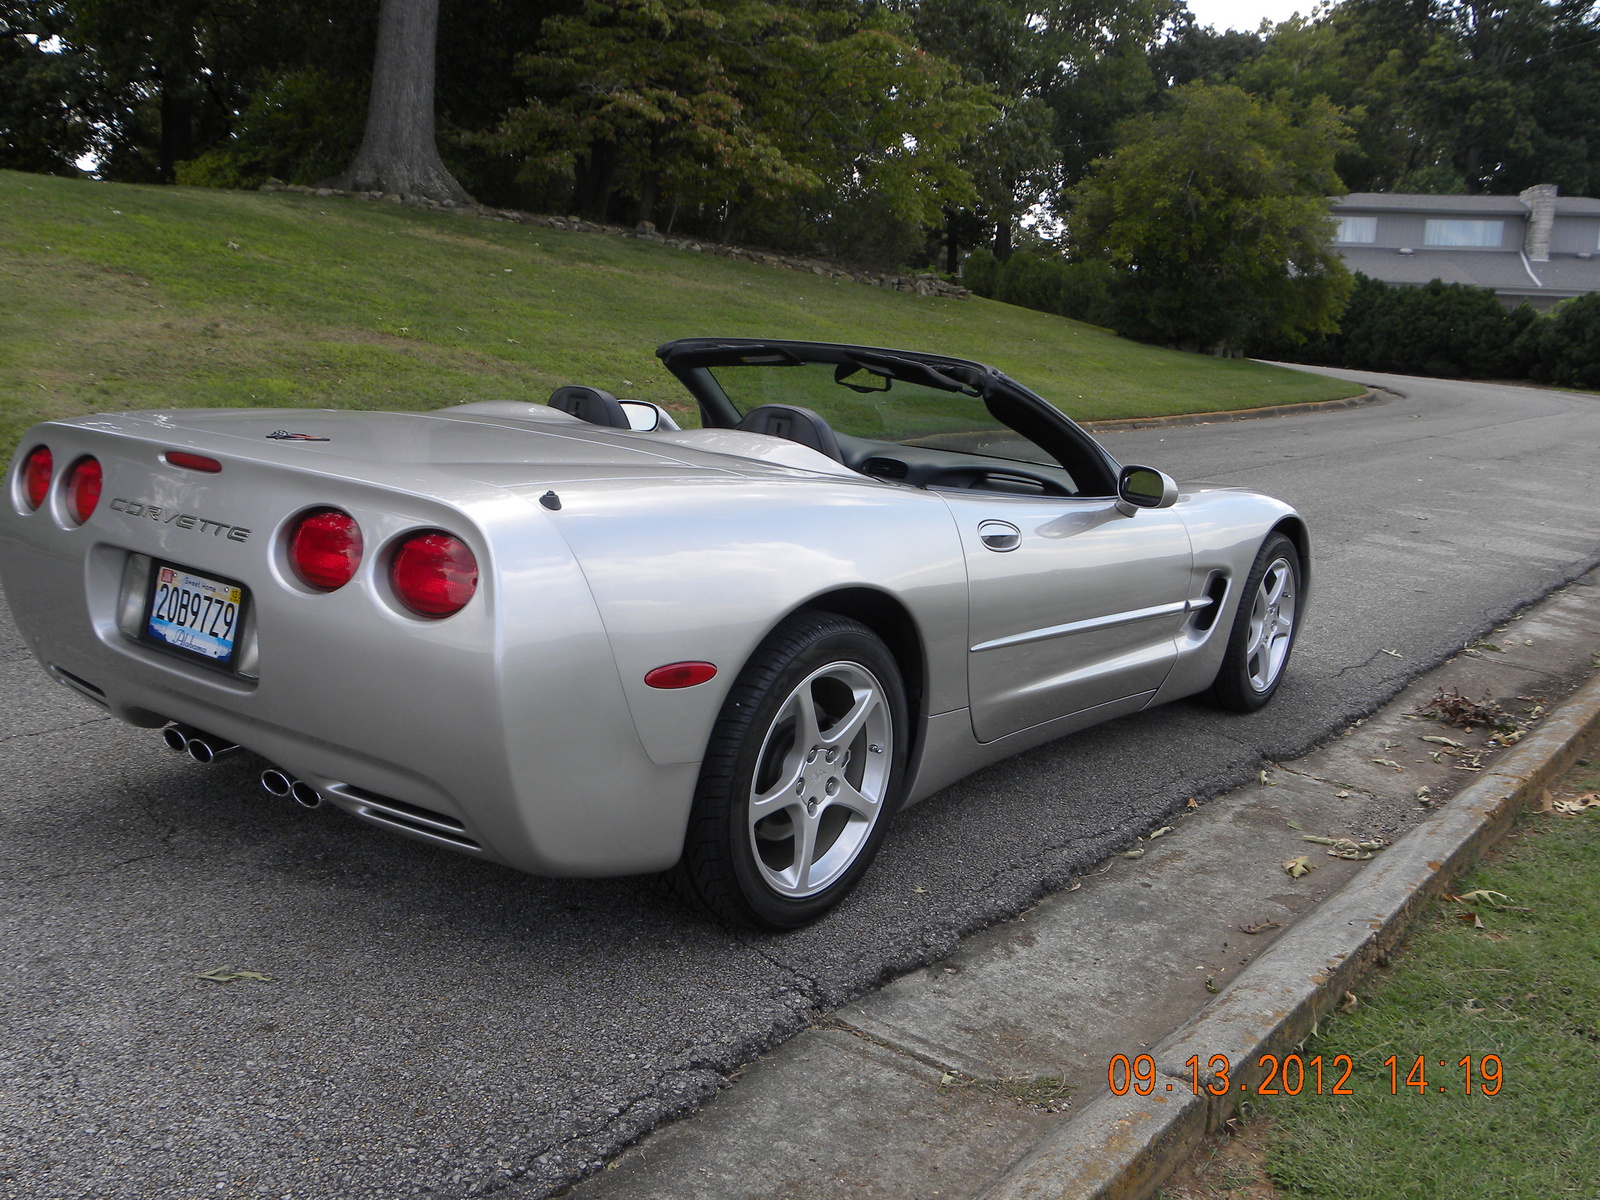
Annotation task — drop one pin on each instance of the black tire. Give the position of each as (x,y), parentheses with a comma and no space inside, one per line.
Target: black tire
(1252,669)
(737,864)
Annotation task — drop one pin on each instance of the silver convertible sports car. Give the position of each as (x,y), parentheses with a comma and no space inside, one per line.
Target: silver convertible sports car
(574,638)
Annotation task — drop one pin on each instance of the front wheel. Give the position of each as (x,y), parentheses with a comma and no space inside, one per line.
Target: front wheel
(799,778)
(1263,629)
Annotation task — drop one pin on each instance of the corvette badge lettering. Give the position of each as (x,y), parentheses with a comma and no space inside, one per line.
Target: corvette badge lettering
(283,435)
(135,508)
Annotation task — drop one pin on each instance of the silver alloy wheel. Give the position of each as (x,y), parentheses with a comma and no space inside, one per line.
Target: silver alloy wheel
(1271,625)
(821,779)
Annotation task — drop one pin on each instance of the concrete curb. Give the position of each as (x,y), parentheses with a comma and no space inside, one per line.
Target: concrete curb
(1122,1147)
(1370,396)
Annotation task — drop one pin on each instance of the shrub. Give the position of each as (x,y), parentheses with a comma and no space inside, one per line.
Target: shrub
(1565,346)
(979,271)
(1443,329)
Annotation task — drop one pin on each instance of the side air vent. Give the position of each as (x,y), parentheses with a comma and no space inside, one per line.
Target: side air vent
(891,469)
(82,686)
(412,818)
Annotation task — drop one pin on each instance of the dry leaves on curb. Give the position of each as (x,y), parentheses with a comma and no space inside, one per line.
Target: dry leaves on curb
(1348,848)
(1455,709)
(1296,867)
(1260,926)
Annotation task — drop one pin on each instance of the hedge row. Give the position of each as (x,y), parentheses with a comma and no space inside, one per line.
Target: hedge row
(1449,330)
(1453,330)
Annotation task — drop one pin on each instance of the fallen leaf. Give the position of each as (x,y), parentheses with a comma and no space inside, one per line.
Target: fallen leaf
(1424,795)
(1388,762)
(919,889)
(1547,802)
(1396,653)
(1211,985)
(1294,823)
(1162,832)
(1342,796)
(228,975)
(1321,841)
(1296,867)
(1485,896)
(1260,927)
(1472,1006)
(1443,741)
(947,1079)
(1349,1003)
(1193,803)
(1139,853)
(1261,778)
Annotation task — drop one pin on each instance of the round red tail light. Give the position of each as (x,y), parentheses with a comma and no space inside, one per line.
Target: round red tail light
(83,489)
(36,469)
(433,573)
(325,549)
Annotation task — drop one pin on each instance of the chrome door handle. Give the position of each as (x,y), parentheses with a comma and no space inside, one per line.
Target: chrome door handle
(999,536)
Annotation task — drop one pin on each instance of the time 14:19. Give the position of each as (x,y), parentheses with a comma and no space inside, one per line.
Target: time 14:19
(1490,1074)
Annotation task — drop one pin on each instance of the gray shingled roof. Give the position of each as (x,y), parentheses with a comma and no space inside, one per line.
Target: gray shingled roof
(1501,270)
(1569,274)
(1501,206)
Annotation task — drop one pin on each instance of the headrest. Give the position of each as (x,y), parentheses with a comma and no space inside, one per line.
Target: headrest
(794,423)
(591,405)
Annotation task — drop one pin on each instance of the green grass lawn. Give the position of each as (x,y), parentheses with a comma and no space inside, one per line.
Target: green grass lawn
(114,296)
(1525,988)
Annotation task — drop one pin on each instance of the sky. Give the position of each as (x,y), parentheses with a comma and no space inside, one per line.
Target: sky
(1245,14)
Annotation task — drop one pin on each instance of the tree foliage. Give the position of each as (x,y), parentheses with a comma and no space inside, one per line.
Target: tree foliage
(1215,215)
(737,105)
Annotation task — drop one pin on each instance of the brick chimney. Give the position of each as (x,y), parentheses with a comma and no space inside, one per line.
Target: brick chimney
(1541,202)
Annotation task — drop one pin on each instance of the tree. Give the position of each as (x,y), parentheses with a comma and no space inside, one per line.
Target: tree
(1062,71)
(786,117)
(46,98)
(399,152)
(1215,215)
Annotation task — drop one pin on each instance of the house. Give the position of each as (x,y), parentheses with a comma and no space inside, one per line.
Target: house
(1538,248)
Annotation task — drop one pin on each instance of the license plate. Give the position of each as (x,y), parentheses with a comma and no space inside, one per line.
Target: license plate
(194,613)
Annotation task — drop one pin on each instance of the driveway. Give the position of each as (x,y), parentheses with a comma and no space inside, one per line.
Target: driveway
(435,1025)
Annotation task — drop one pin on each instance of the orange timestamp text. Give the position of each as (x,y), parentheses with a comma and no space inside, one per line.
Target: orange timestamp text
(1293,1074)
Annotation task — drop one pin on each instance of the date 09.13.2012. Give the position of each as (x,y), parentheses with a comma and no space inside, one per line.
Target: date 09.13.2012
(1292,1075)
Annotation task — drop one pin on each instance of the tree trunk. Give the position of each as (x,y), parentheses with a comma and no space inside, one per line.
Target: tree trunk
(1002,239)
(177,128)
(398,151)
(952,246)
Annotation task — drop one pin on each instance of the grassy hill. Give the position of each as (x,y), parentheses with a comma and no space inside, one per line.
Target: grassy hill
(121,297)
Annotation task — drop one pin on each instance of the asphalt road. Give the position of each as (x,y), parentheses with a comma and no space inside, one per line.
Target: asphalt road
(434,1025)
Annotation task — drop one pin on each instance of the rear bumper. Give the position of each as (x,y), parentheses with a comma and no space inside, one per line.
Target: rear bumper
(500,732)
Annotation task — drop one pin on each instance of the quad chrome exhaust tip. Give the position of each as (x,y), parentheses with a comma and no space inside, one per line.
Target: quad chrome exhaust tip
(202,747)
(283,785)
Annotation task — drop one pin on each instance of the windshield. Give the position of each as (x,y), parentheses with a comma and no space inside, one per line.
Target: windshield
(857,401)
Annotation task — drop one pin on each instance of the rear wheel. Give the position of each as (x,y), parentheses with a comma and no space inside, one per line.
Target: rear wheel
(800,776)
(1263,629)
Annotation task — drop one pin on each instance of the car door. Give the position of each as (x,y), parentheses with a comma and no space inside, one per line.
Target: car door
(1074,604)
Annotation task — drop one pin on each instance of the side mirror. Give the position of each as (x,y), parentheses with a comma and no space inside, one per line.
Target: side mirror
(1144,487)
(645,417)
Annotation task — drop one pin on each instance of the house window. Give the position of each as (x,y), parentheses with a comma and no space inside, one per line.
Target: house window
(1463,233)
(1357,229)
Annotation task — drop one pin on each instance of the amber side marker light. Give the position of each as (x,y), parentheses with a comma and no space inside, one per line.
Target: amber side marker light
(325,549)
(36,471)
(681,675)
(83,488)
(192,462)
